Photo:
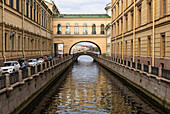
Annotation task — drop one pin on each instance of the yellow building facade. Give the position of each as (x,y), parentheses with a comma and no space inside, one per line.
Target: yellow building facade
(69,29)
(141,31)
(25,29)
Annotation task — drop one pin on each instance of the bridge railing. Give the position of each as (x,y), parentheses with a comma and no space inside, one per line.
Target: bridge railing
(7,80)
(157,71)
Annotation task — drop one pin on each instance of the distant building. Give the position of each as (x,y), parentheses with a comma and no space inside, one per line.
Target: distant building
(108,39)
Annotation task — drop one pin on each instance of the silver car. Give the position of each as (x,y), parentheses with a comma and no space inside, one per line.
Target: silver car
(10,67)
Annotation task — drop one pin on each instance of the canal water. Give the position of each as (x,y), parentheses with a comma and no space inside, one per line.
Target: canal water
(90,89)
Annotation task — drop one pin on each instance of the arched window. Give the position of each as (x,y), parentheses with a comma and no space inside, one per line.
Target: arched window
(102,28)
(58,29)
(67,29)
(76,31)
(93,29)
(84,29)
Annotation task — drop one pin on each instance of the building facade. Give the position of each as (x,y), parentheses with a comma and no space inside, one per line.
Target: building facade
(108,39)
(69,29)
(141,31)
(25,29)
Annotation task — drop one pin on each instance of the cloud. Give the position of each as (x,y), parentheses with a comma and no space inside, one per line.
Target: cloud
(81,6)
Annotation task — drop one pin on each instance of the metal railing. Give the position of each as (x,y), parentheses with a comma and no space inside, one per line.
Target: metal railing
(2,81)
(24,73)
(32,70)
(38,68)
(133,64)
(14,77)
(166,73)
(155,70)
(139,66)
(146,68)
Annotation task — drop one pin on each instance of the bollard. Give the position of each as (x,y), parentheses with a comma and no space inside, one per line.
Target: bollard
(36,69)
(49,63)
(29,71)
(142,67)
(160,72)
(150,69)
(20,75)
(45,65)
(41,67)
(136,65)
(130,64)
(7,76)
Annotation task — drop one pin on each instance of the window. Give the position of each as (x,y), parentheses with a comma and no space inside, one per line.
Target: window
(58,29)
(122,6)
(139,46)
(126,48)
(122,26)
(118,9)
(84,29)
(132,20)
(149,11)
(163,7)
(11,3)
(18,43)
(93,29)
(42,17)
(6,41)
(27,5)
(102,29)
(117,48)
(25,44)
(31,9)
(126,17)
(76,29)
(162,45)
(149,46)
(17,5)
(139,15)
(67,29)
(117,27)
(34,10)
(37,13)
(131,47)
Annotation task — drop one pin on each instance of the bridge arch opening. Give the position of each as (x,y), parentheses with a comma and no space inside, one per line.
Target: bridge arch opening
(85,46)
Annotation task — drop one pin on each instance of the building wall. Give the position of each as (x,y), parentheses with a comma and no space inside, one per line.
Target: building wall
(108,30)
(70,39)
(21,33)
(138,46)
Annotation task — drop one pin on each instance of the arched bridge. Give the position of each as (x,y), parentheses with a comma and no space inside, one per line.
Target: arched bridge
(93,55)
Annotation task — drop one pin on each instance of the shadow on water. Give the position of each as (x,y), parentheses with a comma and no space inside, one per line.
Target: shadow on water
(88,88)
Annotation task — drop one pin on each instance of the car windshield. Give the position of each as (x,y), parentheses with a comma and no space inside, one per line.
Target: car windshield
(8,64)
(40,59)
(31,60)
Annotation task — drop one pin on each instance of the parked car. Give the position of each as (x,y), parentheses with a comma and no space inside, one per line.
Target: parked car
(45,59)
(40,60)
(23,63)
(10,67)
(32,62)
(49,57)
(60,56)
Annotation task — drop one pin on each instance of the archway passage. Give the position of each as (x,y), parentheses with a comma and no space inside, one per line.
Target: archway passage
(85,46)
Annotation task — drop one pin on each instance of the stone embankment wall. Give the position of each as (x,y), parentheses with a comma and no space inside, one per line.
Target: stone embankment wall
(18,95)
(157,89)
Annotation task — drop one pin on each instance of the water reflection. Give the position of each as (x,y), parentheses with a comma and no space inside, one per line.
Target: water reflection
(91,89)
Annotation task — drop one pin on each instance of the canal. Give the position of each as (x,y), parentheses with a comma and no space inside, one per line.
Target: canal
(88,88)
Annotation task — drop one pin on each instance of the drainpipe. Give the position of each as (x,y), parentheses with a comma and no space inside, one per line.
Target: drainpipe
(115,40)
(23,46)
(122,34)
(153,41)
(134,9)
(3,33)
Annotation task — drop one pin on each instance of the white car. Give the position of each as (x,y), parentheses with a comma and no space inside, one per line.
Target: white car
(10,67)
(40,61)
(32,62)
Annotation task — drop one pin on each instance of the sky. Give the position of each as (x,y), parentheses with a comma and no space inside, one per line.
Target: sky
(81,6)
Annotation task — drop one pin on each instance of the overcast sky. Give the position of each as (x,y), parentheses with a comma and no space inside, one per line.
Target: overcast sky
(81,6)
